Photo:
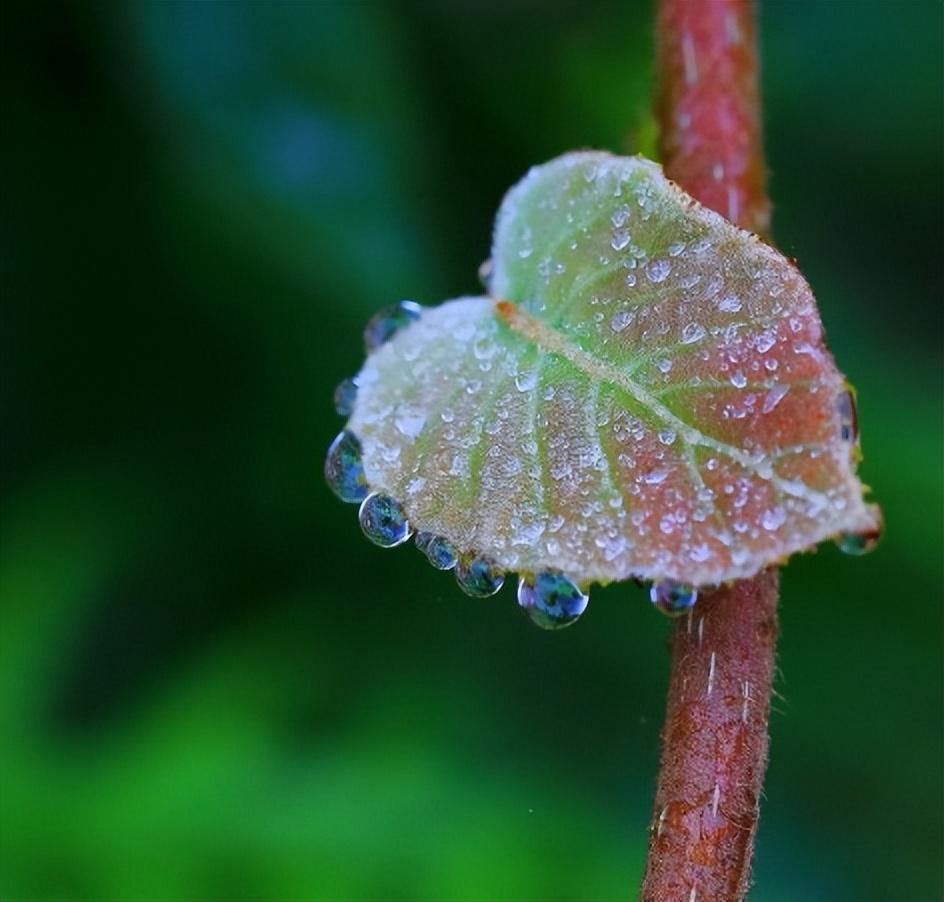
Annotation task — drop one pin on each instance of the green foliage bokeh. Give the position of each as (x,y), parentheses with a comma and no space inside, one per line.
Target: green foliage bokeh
(210,685)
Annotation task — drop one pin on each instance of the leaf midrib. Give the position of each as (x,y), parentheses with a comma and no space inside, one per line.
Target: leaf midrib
(549,340)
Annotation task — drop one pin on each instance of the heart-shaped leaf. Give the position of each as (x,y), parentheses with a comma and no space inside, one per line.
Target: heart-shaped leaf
(645,393)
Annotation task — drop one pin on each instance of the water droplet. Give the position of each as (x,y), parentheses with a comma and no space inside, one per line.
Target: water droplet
(344,471)
(526,380)
(621,320)
(765,341)
(774,397)
(552,601)
(658,271)
(860,543)
(664,365)
(700,553)
(620,239)
(655,477)
(621,215)
(729,304)
(667,436)
(693,332)
(672,598)
(410,424)
(478,576)
(738,379)
(383,520)
(773,519)
(848,416)
(344,397)
(440,552)
(384,325)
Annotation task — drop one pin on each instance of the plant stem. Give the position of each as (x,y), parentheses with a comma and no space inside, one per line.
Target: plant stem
(709,106)
(715,739)
(715,746)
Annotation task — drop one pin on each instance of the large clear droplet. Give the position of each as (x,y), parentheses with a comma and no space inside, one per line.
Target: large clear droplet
(859,543)
(384,325)
(384,521)
(439,551)
(671,598)
(344,471)
(848,416)
(478,576)
(551,600)
(344,397)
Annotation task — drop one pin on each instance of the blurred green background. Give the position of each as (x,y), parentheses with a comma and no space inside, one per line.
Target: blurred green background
(211,687)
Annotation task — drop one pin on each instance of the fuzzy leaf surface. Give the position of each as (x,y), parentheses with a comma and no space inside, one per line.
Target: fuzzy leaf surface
(646,392)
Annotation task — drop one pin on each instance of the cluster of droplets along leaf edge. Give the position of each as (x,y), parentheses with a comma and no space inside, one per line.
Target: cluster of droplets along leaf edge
(550,598)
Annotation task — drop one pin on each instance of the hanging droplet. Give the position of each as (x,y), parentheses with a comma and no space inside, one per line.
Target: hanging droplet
(344,471)
(344,397)
(859,543)
(672,598)
(848,416)
(383,520)
(384,325)
(478,576)
(551,600)
(439,551)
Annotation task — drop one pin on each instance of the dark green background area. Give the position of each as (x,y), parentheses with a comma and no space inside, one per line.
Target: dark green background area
(211,686)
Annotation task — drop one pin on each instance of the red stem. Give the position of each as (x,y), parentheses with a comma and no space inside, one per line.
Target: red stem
(715,738)
(715,746)
(709,106)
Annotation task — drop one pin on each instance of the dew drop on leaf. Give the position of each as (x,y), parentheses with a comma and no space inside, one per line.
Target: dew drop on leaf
(773,519)
(848,416)
(773,397)
(345,395)
(765,341)
(478,576)
(658,271)
(383,520)
(693,332)
(344,470)
(551,600)
(382,326)
(621,320)
(672,598)
(859,543)
(439,551)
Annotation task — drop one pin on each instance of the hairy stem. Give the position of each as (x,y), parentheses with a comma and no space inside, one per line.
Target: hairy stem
(715,746)
(715,739)
(709,106)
